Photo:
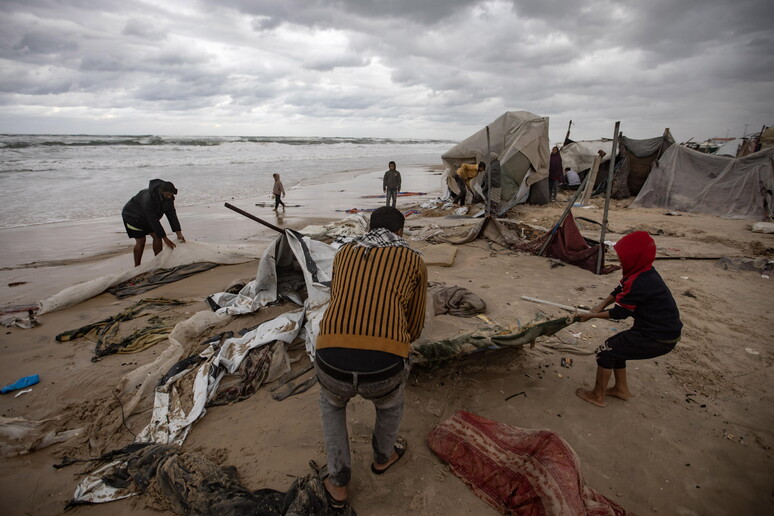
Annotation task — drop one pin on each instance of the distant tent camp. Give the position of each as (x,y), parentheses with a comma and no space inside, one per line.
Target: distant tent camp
(691,181)
(520,139)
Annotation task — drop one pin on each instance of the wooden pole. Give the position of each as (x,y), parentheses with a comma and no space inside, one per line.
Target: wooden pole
(567,136)
(488,175)
(253,217)
(564,216)
(563,307)
(608,193)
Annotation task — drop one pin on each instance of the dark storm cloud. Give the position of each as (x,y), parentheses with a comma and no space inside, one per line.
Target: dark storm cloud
(143,29)
(453,65)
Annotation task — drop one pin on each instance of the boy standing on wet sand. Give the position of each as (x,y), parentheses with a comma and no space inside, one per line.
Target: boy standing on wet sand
(391,184)
(643,295)
(278,191)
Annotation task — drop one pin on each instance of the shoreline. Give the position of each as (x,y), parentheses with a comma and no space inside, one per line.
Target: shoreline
(68,253)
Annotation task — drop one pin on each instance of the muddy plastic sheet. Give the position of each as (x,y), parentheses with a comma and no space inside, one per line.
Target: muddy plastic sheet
(433,353)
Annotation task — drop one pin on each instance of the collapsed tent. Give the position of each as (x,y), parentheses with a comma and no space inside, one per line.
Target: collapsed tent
(520,139)
(292,267)
(691,181)
(183,254)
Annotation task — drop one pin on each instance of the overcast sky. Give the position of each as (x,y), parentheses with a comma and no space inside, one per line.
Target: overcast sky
(385,68)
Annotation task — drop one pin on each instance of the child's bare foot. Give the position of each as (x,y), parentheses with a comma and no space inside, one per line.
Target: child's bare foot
(616,393)
(590,397)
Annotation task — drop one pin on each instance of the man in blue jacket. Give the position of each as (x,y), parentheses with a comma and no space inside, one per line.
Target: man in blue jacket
(142,216)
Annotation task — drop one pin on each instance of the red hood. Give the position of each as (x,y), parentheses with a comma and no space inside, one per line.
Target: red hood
(636,251)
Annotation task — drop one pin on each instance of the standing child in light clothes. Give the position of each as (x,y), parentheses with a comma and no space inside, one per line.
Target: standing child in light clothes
(279,192)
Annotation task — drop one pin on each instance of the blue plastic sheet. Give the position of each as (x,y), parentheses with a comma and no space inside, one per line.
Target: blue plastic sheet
(21,383)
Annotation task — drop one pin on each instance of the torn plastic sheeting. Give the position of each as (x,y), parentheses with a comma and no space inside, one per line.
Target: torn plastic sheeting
(19,435)
(183,254)
(315,259)
(169,422)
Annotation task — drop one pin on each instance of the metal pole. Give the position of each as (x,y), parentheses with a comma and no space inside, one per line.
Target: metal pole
(253,217)
(608,192)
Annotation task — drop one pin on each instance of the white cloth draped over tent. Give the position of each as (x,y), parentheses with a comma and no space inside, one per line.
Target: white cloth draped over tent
(520,139)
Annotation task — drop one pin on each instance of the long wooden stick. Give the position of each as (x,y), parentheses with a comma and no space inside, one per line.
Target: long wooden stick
(563,307)
(489,175)
(253,217)
(608,193)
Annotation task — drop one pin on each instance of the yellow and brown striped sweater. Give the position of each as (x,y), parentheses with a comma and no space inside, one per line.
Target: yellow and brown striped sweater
(377,300)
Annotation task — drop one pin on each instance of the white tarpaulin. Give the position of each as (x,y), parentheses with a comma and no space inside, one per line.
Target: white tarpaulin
(691,181)
(184,254)
(182,398)
(520,139)
(579,156)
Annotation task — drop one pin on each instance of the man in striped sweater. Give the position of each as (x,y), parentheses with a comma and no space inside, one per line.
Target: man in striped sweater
(377,309)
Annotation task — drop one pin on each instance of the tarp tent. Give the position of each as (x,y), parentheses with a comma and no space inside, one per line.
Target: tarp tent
(730,148)
(580,155)
(520,139)
(634,161)
(641,155)
(691,181)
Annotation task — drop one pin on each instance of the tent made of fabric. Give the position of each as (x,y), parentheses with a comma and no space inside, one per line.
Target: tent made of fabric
(580,155)
(520,139)
(730,148)
(691,181)
(642,154)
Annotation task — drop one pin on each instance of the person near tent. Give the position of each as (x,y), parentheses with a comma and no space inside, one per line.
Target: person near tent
(391,184)
(643,295)
(555,173)
(377,308)
(278,191)
(142,217)
(571,179)
(462,178)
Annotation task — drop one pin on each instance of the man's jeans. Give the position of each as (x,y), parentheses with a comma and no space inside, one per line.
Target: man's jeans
(392,193)
(387,396)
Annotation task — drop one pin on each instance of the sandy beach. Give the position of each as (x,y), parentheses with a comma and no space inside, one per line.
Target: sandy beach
(695,439)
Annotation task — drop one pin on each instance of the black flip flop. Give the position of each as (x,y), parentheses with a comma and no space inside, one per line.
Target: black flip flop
(332,502)
(322,474)
(401,445)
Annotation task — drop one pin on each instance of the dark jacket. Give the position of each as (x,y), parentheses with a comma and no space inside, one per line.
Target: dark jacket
(650,302)
(145,210)
(555,169)
(391,180)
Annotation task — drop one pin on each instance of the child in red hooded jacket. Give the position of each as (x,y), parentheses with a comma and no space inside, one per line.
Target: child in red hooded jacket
(643,295)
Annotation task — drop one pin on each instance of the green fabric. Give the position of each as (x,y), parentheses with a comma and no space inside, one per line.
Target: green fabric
(456,347)
(106,330)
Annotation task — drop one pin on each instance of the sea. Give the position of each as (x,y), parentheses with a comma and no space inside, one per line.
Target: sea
(58,178)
